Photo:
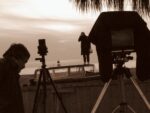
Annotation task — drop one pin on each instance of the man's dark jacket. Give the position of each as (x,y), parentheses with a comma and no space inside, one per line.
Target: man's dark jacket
(10,91)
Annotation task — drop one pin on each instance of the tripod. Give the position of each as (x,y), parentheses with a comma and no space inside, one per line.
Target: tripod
(45,78)
(121,72)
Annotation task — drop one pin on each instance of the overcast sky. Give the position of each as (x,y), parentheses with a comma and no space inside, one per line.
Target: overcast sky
(57,21)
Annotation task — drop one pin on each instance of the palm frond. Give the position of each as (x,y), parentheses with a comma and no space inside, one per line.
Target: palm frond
(142,6)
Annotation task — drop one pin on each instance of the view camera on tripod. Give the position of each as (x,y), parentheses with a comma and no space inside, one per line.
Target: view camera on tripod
(43,80)
(116,35)
(121,33)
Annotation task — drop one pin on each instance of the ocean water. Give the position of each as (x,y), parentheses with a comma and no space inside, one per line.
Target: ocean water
(33,65)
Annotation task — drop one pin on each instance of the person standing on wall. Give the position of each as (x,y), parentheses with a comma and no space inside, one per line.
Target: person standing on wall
(13,61)
(85,47)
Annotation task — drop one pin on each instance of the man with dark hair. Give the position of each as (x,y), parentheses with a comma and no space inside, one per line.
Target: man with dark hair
(85,47)
(13,61)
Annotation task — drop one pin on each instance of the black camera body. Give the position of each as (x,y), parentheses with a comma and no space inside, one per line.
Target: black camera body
(121,31)
(42,49)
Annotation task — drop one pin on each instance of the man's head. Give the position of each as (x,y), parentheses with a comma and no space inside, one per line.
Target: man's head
(19,53)
(82,33)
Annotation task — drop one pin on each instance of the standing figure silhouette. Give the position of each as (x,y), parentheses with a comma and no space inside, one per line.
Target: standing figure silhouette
(85,47)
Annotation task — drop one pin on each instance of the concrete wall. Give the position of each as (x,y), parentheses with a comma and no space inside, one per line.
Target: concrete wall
(79,96)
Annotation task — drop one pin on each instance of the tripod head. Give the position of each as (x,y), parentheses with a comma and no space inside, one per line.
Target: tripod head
(120,57)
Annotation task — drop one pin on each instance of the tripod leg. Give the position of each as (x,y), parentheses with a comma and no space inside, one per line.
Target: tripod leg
(37,93)
(122,107)
(140,92)
(44,90)
(119,106)
(101,96)
(116,109)
(131,109)
(55,89)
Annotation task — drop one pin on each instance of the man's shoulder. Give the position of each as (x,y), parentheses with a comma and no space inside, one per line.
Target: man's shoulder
(2,66)
(3,62)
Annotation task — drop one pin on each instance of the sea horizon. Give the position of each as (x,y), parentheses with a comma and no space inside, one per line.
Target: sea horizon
(34,65)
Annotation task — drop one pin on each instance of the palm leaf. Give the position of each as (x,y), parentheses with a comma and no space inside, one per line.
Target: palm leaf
(142,6)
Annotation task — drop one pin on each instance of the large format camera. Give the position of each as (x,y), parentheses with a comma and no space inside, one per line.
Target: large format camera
(42,49)
(120,32)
